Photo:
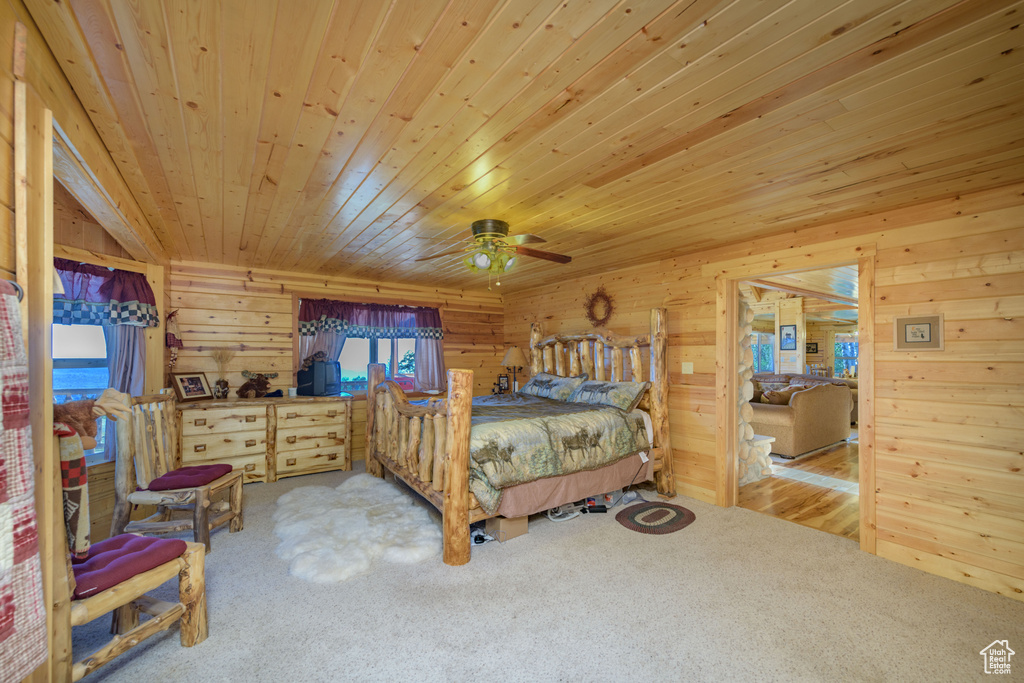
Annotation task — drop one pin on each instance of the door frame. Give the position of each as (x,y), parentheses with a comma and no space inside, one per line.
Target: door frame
(728,276)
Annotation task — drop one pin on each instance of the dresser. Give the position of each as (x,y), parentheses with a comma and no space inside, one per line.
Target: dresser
(268,438)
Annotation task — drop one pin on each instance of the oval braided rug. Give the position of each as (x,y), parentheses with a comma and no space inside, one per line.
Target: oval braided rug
(655,518)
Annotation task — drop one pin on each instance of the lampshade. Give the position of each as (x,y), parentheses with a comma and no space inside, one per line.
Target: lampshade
(514,358)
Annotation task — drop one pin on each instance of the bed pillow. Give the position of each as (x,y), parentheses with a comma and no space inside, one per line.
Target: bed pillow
(623,395)
(545,385)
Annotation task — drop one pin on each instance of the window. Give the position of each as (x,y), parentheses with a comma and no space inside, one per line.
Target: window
(763,344)
(847,350)
(397,355)
(80,371)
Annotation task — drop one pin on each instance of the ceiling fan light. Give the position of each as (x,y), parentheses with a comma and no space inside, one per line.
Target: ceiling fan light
(481,260)
(510,263)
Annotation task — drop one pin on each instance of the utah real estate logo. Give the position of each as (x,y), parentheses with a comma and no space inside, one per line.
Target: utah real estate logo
(997,657)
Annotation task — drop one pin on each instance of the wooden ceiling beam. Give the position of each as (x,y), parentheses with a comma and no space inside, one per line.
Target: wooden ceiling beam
(798,291)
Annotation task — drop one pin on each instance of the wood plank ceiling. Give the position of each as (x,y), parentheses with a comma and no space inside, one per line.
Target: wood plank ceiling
(351,138)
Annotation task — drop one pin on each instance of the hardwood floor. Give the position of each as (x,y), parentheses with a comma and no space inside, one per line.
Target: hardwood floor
(818,490)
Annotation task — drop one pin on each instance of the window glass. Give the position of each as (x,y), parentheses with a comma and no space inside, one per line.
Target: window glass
(355,356)
(80,369)
(763,345)
(847,350)
(406,357)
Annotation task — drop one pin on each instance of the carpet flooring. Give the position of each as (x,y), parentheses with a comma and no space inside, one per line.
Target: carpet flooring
(736,596)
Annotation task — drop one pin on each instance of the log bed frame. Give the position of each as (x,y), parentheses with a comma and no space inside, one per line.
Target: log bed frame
(427,446)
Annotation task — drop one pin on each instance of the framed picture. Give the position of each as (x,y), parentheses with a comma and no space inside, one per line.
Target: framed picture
(787,338)
(918,333)
(191,386)
(812,347)
(503,383)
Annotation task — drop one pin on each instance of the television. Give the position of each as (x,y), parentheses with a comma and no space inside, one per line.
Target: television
(322,378)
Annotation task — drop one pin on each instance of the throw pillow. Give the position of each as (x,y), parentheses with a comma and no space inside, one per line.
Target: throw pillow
(544,385)
(781,397)
(622,395)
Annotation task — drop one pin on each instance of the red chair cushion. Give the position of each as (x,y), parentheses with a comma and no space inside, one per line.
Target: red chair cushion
(118,559)
(189,477)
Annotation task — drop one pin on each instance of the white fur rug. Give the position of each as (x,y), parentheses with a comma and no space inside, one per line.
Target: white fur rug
(332,535)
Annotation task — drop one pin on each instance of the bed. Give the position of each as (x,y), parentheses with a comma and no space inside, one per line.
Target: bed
(457,452)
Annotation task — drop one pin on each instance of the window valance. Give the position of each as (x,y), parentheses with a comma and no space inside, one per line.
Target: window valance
(368,321)
(94,295)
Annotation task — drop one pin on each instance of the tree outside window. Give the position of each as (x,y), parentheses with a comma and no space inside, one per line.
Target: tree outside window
(763,346)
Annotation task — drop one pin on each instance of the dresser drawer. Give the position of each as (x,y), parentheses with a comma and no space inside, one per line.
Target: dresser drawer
(225,445)
(198,421)
(253,467)
(312,414)
(309,461)
(303,438)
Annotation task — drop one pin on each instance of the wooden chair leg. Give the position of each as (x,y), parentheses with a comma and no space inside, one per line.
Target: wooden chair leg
(201,517)
(124,619)
(192,594)
(236,506)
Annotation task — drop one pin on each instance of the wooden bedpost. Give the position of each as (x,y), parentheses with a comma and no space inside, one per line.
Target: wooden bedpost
(456,477)
(536,357)
(374,376)
(664,478)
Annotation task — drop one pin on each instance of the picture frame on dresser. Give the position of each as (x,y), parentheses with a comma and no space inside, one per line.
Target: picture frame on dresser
(191,386)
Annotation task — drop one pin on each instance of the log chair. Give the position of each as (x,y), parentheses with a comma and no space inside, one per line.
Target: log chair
(146,449)
(157,564)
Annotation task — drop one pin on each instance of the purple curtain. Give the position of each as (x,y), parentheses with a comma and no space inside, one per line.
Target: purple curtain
(369,321)
(94,295)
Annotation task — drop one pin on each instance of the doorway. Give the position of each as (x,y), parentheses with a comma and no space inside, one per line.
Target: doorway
(822,487)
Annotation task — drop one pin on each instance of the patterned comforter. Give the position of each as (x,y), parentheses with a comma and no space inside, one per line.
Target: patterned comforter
(516,439)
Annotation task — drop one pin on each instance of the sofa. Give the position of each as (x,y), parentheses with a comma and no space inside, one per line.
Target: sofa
(813,418)
(767,381)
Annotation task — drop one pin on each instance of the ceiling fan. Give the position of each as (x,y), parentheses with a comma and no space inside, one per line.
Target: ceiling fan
(493,250)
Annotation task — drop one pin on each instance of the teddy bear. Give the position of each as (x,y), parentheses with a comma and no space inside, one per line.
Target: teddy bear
(81,415)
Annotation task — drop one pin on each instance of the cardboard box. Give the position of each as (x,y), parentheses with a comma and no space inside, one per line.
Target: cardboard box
(504,528)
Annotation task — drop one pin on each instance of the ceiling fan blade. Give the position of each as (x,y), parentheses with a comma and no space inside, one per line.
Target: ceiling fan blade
(524,239)
(546,255)
(443,253)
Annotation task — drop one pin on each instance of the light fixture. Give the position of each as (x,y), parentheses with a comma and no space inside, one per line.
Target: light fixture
(514,361)
(493,257)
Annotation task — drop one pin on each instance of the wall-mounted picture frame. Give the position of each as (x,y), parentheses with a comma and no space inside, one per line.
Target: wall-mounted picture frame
(787,338)
(812,347)
(503,384)
(191,386)
(918,333)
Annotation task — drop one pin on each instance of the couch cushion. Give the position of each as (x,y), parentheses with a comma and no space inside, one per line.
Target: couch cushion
(189,477)
(119,558)
(781,397)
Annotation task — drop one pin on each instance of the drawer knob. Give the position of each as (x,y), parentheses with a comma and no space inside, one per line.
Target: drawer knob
(290,462)
(332,435)
(249,443)
(250,418)
(200,447)
(200,422)
(332,413)
(332,456)
(250,467)
(290,439)
(291,416)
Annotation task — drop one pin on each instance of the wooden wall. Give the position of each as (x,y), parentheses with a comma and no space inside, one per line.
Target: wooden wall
(949,425)
(74,227)
(251,311)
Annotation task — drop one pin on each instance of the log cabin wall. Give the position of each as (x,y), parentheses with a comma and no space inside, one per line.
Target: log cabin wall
(74,227)
(948,458)
(251,311)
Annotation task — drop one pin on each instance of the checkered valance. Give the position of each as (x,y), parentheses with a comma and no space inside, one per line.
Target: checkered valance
(368,321)
(94,295)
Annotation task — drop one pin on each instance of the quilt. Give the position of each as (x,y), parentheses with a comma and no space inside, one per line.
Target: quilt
(515,439)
